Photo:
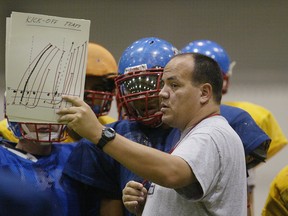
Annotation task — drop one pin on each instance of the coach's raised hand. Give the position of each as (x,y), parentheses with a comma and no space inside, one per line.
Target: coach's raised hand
(80,118)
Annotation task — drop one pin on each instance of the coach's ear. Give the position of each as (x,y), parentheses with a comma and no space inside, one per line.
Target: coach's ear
(206,93)
(226,82)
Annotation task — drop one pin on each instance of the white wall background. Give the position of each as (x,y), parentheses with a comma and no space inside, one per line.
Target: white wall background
(254,33)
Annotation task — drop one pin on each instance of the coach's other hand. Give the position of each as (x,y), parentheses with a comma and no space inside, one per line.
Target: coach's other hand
(134,197)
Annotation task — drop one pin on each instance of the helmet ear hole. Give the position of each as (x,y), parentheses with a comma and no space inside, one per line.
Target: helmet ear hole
(15,128)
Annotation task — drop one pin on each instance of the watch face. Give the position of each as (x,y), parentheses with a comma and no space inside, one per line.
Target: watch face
(109,133)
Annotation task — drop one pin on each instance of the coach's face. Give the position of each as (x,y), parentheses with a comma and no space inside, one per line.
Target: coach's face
(180,99)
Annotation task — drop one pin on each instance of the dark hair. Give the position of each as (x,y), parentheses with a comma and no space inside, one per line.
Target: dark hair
(206,70)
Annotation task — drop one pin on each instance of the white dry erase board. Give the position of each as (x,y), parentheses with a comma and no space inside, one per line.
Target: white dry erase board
(45,58)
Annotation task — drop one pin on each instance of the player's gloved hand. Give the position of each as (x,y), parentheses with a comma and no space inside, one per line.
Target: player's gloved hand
(134,197)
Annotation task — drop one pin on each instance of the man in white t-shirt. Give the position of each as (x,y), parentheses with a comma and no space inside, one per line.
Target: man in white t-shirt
(205,173)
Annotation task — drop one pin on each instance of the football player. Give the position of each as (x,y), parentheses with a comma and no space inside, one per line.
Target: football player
(37,160)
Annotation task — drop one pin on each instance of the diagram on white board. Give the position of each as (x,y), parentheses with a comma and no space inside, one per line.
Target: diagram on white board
(43,64)
(52,73)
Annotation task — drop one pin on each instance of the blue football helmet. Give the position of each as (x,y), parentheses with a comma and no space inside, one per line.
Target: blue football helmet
(218,53)
(152,52)
(211,49)
(138,84)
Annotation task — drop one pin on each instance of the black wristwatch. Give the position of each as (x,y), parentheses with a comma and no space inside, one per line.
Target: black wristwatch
(108,134)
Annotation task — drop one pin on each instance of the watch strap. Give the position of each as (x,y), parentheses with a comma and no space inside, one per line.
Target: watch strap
(102,142)
(108,134)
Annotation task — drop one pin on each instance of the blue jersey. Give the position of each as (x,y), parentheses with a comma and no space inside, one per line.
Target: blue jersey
(18,198)
(64,194)
(95,168)
(101,171)
(252,136)
(91,166)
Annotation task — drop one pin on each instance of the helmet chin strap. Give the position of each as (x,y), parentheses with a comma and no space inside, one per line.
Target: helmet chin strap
(153,122)
(41,136)
(45,143)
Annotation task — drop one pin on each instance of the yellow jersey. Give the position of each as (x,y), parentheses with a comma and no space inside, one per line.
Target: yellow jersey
(277,200)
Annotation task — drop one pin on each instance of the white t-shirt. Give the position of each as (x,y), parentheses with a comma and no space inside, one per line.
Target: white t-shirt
(215,153)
